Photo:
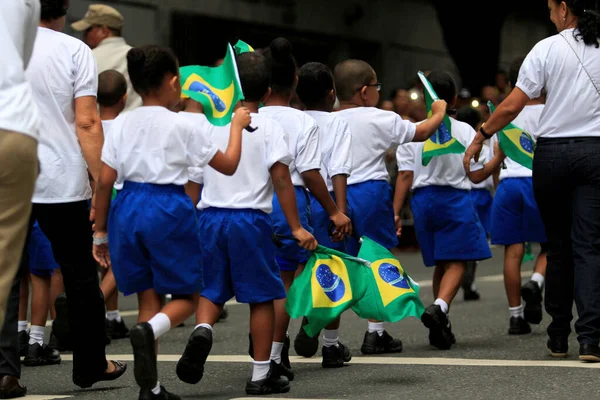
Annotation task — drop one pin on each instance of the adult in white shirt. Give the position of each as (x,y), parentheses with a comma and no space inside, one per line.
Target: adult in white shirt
(18,170)
(63,76)
(566,167)
(101,27)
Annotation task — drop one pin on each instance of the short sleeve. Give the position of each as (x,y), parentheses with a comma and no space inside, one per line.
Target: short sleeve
(308,152)
(405,157)
(196,175)
(86,73)
(532,73)
(109,149)
(341,154)
(201,149)
(277,146)
(403,130)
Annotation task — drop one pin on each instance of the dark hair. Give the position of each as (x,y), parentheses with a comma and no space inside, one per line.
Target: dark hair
(443,84)
(470,115)
(53,9)
(255,75)
(350,76)
(588,20)
(315,81)
(147,66)
(112,86)
(283,65)
(513,71)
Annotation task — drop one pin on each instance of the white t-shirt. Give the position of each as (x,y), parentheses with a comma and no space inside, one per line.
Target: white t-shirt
(251,186)
(106,126)
(336,141)
(155,145)
(18,28)
(196,174)
(62,69)
(572,103)
(444,170)
(303,136)
(374,131)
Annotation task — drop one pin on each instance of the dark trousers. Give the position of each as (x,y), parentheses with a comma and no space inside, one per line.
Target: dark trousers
(10,361)
(566,183)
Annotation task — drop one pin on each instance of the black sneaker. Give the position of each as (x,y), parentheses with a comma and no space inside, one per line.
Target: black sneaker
(518,326)
(38,355)
(558,347)
(373,343)
(440,330)
(335,356)
(273,383)
(304,345)
(282,370)
(532,295)
(23,343)
(190,367)
(146,394)
(116,329)
(589,353)
(144,355)
(470,294)
(60,325)
(223,314)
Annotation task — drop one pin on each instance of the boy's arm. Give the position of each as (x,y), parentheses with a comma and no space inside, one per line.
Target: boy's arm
(340,185)
(104,186)
(404,182)
(429,126)
(193,190)
(488,169)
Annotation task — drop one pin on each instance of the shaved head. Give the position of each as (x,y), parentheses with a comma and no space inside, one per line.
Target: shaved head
(350,76)
(112,86)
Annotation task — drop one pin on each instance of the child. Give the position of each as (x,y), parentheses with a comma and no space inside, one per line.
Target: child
(112,96)
(446,223)
(238,251)
(304,146)
(374,131)
(157,250)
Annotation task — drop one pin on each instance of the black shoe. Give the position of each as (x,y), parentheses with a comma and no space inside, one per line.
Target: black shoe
(273,383)
(87,382)
(558,347)
(375,344)
(58,345)
(38,355)
(532,295)
(23,343)
(440,330)
(146,394)
(60,326)
(285,353)
(223,314)
(190,366)
(470,294)
(11,388)
(335,356)
(116,329)
(144,355)
(304,345)
(518,326)
(282,370)
(589,353)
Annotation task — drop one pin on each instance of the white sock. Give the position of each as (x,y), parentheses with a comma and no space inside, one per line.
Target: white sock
(331,337)
(36,335)
(22,326)
(443,305)
(517,311)
(260,370)
(538,278)
(376,327)
(156,389)
(113,315)
(161,324)
(276,349)
(207,326)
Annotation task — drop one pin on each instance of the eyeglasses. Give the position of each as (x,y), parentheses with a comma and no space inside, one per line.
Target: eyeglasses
(375,85)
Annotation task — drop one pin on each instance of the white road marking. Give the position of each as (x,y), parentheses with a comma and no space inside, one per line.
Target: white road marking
(44,397)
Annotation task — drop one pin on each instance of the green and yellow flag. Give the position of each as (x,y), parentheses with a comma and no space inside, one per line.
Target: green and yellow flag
(391,295)
(442,141)
(517,144)
(242,47)
(217,88)
(331,283)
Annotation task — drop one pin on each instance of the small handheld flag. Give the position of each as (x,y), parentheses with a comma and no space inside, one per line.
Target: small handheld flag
(242,47)
(442,141)
(517,144)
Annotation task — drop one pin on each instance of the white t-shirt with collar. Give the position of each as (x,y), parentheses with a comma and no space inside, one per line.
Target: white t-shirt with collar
(106,126)
(572,104)
(155,145)
(251,186)
(303,136)
(374,131)
(61,70)
(336,143)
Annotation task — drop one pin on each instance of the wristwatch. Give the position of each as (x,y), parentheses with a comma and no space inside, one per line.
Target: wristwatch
(484,133)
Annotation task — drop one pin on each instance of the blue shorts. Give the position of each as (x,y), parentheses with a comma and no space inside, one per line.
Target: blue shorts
(482,200)
(515,215)
(153,240)
(373,214)
(289,255)
(238,256)
(41,258)
(447,226)
(320,221)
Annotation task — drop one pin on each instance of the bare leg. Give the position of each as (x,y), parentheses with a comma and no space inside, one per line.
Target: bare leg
(540,264)
(40,287)
(451,280)
(513,255)
(262,316)
(57,287)
(24,298)
(282,318)
(438,274)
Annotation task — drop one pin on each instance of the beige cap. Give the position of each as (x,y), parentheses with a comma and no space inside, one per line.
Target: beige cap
(99,14)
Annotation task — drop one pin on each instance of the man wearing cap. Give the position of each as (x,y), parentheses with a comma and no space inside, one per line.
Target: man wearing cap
(101,27)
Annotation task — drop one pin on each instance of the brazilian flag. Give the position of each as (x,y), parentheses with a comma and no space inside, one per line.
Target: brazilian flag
(391,295)
(441,142)
(331,283)
(217,88)
(517,144)
(242,47)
